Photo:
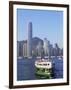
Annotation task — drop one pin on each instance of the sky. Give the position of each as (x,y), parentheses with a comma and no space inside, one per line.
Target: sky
(45,24)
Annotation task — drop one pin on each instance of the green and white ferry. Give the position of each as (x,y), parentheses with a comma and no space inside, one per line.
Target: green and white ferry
(43,69)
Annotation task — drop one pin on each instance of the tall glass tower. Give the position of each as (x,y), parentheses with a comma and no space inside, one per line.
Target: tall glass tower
(29,40)
(46,47)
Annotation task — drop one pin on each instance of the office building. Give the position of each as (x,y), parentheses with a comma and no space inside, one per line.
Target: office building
(46,47)
(25,49)
(56,49)
(40,49)
(29,40)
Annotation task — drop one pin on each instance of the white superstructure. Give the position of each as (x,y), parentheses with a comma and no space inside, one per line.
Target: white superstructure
(43,64)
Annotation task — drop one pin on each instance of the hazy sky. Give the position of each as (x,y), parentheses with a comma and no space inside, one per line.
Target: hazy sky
(46,23)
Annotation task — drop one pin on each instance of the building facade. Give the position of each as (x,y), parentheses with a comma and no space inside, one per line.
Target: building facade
(29,40)
(25,49)
(46,47)
(40,49)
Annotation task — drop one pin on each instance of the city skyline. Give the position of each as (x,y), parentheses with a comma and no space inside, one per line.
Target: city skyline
(51,26)
(37,47)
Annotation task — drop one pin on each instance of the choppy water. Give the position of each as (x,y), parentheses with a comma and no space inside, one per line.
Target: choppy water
(26,69)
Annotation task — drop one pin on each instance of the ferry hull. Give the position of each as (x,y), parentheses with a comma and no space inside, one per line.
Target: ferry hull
(43,74)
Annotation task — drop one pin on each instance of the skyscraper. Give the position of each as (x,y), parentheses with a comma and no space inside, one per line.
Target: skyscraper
(29,40)
(25,49)
(46,46)
(56,49)
(51,50)
(21,48)
(40,49)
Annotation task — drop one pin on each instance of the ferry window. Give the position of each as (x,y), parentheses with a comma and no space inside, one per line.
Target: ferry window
(39,64)
(48,64)
(43,70)
(37,69)
(45,64)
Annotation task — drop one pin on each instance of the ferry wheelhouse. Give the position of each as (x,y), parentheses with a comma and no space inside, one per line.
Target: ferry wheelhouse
(43,68)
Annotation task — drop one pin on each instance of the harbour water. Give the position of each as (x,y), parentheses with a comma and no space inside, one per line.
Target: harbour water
(26,69)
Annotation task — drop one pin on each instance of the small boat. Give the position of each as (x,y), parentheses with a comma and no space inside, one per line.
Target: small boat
(43,68)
